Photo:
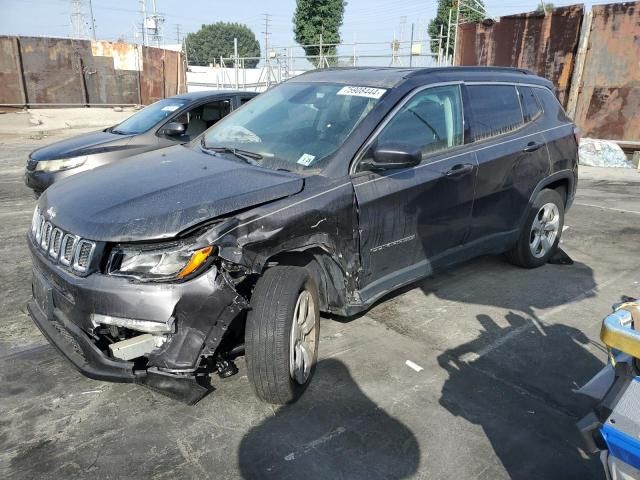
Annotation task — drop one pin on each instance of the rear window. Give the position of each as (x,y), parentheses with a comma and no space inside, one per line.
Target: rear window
(495,109)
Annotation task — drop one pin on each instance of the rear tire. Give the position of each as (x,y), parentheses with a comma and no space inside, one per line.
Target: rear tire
(541,232)
(282,334)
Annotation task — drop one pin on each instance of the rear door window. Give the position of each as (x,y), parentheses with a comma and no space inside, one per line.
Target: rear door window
(495,110)
(530,106)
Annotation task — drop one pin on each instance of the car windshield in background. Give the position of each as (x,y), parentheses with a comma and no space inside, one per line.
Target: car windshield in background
(294,126)
(148,117)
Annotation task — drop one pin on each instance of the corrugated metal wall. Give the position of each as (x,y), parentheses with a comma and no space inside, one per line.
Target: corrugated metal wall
(608,103)
(608,96)
(545,44)
(40,71)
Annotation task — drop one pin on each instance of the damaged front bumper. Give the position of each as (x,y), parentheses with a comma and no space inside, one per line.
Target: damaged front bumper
(197,312)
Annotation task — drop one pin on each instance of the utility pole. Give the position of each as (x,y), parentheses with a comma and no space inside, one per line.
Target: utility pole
(267,60)
(411,48)
(179,33)
(143,11)
(440,46)
(235,60)
(446,48)
(93,21)
(455,40)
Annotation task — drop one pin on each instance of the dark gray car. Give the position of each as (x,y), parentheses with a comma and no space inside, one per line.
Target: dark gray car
(324,194)
(167,122)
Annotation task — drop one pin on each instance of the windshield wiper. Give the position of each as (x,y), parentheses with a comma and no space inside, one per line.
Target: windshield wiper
(246,155)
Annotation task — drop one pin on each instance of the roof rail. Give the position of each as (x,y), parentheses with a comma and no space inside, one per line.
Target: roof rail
(477,68)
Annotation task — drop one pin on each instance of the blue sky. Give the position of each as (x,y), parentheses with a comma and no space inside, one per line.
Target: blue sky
(364,20)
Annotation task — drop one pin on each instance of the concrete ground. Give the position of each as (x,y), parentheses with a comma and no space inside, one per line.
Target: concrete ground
(40,122)
(502,350)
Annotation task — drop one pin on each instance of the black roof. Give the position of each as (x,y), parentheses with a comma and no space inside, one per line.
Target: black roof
(211,94)
(388,77)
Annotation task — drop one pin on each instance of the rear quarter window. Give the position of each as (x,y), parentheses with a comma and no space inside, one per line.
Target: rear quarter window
(495,110)
(551,105)
(530,105)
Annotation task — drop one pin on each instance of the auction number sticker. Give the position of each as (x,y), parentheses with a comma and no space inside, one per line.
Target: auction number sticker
(170,108)
(368,92)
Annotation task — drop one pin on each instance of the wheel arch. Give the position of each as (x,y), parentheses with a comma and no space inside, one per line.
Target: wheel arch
(562,182)
(325,270)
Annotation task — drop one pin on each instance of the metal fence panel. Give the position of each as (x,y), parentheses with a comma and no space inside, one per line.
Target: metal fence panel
(543,43)
(111,73)
(40,71)
(609,98)
(52,69)
(152,75)
(11,87)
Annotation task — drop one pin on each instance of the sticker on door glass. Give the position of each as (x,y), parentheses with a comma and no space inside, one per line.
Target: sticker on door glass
(170,108)
(368,92)
(306,159)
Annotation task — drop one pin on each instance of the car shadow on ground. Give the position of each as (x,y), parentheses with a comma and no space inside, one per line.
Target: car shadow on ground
(517,378)
(341,434)
(523,396)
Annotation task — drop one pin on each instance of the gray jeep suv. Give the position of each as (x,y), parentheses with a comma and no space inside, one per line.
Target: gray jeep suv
(321,195)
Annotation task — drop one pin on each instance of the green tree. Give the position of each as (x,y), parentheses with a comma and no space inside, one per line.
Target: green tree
(212,41)
(313,18)
(469,12)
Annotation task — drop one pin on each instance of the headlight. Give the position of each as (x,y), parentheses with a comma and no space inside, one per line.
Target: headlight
(59,165)
(158,263)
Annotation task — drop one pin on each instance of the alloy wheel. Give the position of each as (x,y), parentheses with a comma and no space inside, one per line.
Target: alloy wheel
(544,230)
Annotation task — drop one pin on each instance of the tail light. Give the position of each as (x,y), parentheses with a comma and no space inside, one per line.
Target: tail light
(577,134)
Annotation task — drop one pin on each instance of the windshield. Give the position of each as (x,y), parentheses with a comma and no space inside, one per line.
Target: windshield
(295,125)
(149,116)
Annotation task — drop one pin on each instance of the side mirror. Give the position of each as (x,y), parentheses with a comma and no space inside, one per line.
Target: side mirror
(393,155)
(173,129)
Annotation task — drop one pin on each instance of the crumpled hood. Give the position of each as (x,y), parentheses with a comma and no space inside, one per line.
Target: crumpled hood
(159,194)
(79,145)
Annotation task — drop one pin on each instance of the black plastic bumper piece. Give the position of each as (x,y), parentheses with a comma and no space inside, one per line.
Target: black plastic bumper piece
(81,352)
(76,347)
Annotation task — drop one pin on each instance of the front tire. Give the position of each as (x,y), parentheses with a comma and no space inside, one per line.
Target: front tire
(541,232)
(282,334)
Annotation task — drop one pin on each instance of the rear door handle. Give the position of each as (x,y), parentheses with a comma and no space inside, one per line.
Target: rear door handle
(460,169)
(532,147)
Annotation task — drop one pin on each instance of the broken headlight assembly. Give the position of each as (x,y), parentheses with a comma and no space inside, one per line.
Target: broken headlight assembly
(60,165)
(159,263)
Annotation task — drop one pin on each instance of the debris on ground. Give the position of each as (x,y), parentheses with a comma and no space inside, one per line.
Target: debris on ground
(602,153)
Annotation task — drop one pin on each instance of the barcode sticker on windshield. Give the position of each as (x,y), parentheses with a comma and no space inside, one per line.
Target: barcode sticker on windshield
(306,159)
(368,92)
(170,108)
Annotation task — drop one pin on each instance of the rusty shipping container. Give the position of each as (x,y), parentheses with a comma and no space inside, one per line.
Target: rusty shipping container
(543,43)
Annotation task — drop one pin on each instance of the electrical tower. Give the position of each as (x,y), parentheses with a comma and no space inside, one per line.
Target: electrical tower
(267,53)
(78,20)
(151,24)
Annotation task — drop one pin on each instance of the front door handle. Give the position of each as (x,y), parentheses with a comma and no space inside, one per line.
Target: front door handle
(532,147)
(460,169)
